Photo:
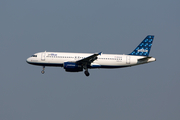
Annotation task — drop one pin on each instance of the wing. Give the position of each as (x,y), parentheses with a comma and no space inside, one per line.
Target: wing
(88,60)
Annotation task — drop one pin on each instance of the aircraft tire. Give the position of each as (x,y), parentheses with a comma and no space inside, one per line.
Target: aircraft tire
(86,73)
(42,71)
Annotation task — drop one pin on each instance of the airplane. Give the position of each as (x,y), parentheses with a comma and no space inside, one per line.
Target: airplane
(77,62)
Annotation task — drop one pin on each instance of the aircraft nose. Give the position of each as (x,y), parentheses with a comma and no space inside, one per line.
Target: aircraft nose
(28,60)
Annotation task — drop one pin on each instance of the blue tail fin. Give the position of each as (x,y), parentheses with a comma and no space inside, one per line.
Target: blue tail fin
(143,49)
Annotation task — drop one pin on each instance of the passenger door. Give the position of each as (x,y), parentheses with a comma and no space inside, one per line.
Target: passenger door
(43,56)
(128,59)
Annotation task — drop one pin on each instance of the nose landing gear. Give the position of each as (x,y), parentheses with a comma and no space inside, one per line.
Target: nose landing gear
(43,71)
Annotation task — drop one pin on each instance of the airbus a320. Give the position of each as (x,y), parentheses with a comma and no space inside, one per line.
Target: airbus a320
(77,62)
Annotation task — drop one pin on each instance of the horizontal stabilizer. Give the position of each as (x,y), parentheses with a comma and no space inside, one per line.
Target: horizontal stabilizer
(144,59)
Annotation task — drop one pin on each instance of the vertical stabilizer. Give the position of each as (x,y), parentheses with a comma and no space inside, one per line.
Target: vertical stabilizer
(143,49)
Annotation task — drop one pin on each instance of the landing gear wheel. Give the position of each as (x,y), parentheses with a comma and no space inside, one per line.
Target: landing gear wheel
(86,73)
(42,71)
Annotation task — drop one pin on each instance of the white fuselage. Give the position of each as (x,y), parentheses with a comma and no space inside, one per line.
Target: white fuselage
(102,61)
(76,62)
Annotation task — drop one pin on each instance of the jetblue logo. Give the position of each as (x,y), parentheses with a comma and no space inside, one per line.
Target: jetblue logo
(70,65)
(52,54)
(142,50)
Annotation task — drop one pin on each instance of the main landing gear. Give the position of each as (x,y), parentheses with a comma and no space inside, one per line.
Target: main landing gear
(86,71)
(43,71)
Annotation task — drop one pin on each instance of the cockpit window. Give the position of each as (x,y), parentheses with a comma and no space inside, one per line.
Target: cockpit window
(34,56)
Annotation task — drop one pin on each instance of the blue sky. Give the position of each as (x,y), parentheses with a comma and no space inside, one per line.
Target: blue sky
(148,91)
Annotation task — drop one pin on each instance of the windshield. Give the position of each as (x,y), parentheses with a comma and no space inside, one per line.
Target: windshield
(34,56)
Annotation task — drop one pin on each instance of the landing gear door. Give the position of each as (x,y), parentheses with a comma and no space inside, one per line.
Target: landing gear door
(43,56)
(128,59)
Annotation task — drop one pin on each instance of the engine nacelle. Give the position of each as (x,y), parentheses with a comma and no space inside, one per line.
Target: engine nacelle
(72,67)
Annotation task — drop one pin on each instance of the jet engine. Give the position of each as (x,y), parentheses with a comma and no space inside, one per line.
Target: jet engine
(72,67)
